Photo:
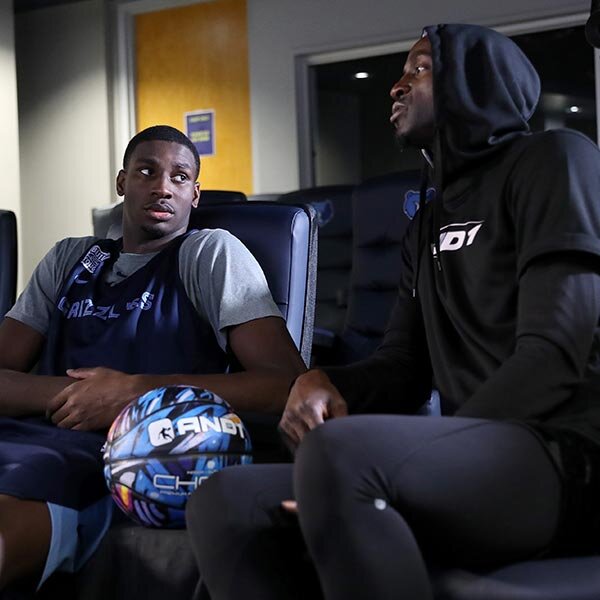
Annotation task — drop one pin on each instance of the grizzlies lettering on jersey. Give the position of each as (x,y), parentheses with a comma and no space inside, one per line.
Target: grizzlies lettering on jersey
(144,324)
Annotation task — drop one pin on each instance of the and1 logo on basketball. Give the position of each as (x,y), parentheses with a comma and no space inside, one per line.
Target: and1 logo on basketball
(163,431)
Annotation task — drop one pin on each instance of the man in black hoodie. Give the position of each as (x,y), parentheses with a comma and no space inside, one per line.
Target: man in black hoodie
(498,305)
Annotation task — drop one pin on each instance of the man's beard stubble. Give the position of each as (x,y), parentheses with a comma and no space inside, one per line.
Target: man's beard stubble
(401,141)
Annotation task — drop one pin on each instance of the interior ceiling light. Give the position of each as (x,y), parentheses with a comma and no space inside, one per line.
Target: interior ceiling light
(361,75)
(574,109)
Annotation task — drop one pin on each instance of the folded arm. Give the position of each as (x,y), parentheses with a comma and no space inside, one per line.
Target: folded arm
(558,318)
(263,347)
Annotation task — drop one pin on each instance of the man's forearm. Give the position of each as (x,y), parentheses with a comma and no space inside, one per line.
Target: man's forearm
(25,394)
(99,394)
(260,391)
(559,303)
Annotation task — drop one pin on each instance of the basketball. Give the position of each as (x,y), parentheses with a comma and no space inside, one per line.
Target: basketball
(163,445)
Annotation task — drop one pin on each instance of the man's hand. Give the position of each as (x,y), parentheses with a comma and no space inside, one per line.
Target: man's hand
(94,401)
(312,400)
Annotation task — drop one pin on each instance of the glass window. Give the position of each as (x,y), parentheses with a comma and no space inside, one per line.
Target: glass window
(565,63)
(352,137)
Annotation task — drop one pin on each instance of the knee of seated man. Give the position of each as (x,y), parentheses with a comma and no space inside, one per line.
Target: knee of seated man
(215,490)
(327,450)
(25,531)
(218,505)
(29,515)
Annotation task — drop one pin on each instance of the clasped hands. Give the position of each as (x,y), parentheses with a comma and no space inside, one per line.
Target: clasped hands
(98,394)
(93,400)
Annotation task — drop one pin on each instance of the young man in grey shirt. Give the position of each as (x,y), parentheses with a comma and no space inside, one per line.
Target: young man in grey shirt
(107,321)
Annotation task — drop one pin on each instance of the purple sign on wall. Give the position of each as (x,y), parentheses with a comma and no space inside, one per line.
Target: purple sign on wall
(200,128)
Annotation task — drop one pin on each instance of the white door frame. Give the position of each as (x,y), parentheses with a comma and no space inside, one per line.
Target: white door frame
(122,92)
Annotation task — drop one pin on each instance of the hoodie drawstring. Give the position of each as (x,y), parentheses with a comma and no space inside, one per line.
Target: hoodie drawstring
(419,216)
(437,202)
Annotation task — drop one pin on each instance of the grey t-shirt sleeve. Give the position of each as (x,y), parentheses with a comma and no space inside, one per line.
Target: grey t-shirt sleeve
(221,277)
(35,304)
(224,282)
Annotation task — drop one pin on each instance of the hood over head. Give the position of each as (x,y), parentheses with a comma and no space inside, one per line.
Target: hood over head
(485,91)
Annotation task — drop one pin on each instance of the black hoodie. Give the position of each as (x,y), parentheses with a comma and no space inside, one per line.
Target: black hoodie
(507,299)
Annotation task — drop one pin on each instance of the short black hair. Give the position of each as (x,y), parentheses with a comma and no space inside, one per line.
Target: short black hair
(161,133)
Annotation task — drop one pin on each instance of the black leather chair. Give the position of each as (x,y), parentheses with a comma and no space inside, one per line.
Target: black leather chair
(8,260)
(263,197)
(106,220)
(382,209)
(135,562)
(333,204)
(283,239)
(221,196)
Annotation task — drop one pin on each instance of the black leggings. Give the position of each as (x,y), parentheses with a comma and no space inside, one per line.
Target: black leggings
(379,496)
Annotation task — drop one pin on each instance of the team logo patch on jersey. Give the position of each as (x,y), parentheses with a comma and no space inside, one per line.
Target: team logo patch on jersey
(94,258)
(458,235)
(325,212)
(412,201)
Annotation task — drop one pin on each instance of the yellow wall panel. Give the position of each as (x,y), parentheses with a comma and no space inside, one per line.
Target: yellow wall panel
(196,57)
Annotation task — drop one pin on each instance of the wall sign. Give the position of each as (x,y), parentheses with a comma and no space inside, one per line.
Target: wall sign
(200,128)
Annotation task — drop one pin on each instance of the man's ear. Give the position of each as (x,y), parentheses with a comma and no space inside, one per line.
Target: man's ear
(196,194)
(121,183)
